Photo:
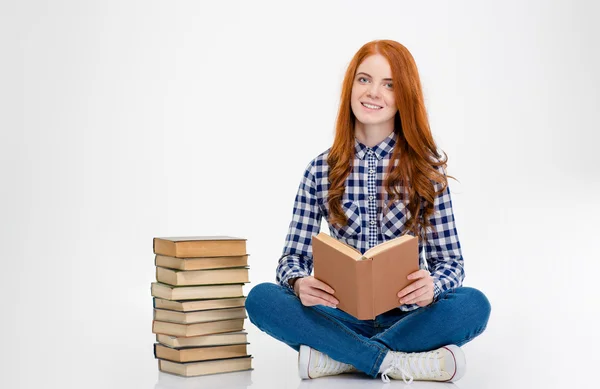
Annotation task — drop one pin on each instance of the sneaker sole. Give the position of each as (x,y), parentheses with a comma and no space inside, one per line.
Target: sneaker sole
(304,362)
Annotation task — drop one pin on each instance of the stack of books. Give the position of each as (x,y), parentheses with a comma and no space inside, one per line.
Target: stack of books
(199,307)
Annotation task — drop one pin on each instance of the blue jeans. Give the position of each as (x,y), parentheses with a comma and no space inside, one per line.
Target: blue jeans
(457,317)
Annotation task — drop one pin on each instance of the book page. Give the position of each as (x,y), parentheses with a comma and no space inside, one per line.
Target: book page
(340,246)
(386,245)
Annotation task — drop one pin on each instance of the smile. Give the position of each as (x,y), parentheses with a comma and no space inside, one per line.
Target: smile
(371,106)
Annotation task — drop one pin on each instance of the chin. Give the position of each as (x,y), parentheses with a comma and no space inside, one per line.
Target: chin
(371,121)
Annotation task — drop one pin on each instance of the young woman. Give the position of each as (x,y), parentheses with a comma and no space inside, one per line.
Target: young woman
(383,177)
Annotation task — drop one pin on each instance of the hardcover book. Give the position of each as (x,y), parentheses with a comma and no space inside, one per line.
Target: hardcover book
(193,354)
(199,305)
(200,246)
(204,340)
(201,263)
(190,369)
(170,292)
(199,316)
(197,329)
(366,285)
(236,275)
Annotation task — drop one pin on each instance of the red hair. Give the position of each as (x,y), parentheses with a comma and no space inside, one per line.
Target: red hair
(415,162)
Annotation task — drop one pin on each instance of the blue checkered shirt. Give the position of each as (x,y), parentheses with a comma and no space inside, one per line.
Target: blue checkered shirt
(368,224)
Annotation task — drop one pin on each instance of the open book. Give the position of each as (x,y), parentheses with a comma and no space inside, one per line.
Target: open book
(365,285)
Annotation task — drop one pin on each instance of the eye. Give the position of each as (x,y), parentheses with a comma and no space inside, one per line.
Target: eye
(361,78)
(390,85)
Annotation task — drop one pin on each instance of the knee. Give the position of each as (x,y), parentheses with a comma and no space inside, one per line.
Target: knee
(480,307)
(259,298)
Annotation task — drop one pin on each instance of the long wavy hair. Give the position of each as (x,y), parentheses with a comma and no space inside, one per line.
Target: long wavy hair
(414,166)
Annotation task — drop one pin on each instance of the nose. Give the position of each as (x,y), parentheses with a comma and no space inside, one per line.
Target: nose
(373,91)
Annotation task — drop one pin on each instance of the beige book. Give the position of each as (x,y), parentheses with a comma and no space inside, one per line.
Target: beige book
(191,369)
(174,277)
(192,354)
(199,316)
(201,263)
(199,305)
(365,285)
(199,246)
(197,329)
(170,292)
(204,340)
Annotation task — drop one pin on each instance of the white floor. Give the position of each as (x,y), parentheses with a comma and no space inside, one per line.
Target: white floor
(93,329)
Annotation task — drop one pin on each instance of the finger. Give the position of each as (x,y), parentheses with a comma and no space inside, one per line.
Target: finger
(321,285)
(313,300)
(427,297)
(323,296)
(408,299)
(418,274)
(414,286)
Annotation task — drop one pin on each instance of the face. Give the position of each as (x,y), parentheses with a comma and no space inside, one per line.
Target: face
(372,99)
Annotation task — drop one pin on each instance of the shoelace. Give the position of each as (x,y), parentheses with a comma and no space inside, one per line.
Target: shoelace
(422,365)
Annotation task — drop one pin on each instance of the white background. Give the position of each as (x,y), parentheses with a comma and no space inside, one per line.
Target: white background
(121,121)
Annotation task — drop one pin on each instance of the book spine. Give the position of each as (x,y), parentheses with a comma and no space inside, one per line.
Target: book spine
(364,283)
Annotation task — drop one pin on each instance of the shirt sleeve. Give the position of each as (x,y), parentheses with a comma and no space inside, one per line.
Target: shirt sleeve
(296,259)
(442,249)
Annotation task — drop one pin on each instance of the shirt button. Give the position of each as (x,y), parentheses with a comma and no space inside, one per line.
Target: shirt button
(371,197)
(372,171)
(373,222)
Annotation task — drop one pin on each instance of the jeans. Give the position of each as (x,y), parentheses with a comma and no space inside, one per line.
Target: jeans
(458,316)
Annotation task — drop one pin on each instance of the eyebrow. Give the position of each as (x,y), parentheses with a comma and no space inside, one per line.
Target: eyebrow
(368,75)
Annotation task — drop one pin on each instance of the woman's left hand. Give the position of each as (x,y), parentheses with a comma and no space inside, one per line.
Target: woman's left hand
(419,292)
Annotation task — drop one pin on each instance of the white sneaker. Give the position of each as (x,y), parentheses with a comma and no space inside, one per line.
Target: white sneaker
(446,364)
(315,364)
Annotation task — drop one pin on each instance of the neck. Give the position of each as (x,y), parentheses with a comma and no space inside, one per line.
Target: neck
(371,135)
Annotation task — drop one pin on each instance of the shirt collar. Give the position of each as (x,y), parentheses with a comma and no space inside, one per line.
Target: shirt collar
(380,150)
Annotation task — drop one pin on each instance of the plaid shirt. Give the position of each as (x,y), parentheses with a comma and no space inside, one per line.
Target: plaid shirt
(368,225)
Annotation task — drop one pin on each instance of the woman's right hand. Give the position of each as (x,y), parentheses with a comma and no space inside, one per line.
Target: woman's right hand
(314,292)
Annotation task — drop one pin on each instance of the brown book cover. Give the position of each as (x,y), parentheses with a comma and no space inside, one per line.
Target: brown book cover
(365,285)
(204,340)
(199,316)
(196,329)
(170,292)
(201,263)
(198,305)
(191,369)
(199,246)
(193,354)
(236,275)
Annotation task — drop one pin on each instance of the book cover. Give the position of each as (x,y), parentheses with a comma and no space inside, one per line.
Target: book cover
(190,369)
(196,329)
(199,316)
(201,263)
(169,292)
(198,305)
(236,275)
(193,354)
(199,246)
(204,340)
(365,285)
